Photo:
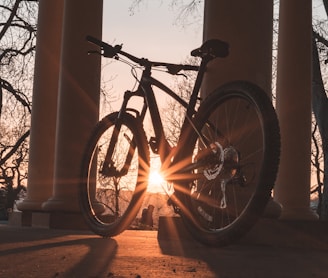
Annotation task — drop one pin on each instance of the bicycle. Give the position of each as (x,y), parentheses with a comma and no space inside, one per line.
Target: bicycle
(222,168)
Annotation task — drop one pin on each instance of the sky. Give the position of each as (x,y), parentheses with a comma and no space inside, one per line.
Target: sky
(151,32)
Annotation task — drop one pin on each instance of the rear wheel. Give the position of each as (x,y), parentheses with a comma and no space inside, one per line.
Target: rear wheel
(111,192)
(234,160)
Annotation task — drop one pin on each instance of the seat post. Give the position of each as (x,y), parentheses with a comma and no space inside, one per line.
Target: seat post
(198,83)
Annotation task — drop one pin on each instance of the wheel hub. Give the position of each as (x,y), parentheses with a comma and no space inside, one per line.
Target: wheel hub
(224,162)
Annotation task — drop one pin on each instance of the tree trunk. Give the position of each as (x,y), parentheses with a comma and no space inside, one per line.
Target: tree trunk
(320,110)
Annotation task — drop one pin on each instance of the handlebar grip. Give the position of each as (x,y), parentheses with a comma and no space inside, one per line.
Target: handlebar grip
(108,50)
(95,41)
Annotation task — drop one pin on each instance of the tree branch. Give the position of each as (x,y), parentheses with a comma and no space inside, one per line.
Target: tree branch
(10,19)
(14,148)
(18,95)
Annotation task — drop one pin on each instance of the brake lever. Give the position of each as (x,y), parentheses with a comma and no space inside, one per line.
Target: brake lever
(182,74)
(176,73)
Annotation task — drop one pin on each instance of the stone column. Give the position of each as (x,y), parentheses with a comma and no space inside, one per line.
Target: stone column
(78,99)
(247,27)
(294,108)
(45,92)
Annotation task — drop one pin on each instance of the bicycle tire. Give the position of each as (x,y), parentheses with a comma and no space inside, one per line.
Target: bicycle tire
(110,202)
(246,140)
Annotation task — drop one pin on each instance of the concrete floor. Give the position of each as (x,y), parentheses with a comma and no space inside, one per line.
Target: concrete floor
(272,249)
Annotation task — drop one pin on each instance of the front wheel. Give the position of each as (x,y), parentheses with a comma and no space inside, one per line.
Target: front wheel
(234,158)
(113,182)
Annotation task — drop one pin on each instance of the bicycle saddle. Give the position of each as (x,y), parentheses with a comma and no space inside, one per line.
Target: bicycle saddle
(212,48)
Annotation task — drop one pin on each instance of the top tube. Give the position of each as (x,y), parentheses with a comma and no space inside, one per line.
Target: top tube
(110,51)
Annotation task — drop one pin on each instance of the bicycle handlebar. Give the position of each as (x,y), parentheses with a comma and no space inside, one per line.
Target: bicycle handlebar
(110,51)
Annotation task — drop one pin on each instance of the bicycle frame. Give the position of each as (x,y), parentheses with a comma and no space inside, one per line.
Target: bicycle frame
(159,143)
(207,52)
(221,169)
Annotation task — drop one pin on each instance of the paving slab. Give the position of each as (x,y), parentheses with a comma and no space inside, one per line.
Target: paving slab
(269,250)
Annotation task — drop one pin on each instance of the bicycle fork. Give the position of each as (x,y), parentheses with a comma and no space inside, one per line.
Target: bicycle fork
(108,168)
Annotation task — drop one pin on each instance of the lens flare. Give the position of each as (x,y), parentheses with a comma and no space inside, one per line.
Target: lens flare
(155,179)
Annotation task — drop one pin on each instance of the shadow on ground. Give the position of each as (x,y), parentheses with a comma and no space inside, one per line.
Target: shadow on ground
(271,249)
(27,252)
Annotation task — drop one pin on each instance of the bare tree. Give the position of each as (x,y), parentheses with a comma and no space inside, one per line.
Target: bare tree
(189,12)
(316,161)
(174,112)
(320,110)
(17,46)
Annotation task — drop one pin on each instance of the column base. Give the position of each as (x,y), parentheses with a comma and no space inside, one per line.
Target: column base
(59,220)
(20,218)
(63,205)
(30,205)
(49,220)
(272,210)
(68,205)
(298,214)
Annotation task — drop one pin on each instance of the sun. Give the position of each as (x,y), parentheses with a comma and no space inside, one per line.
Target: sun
(155,178)
(155,181)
